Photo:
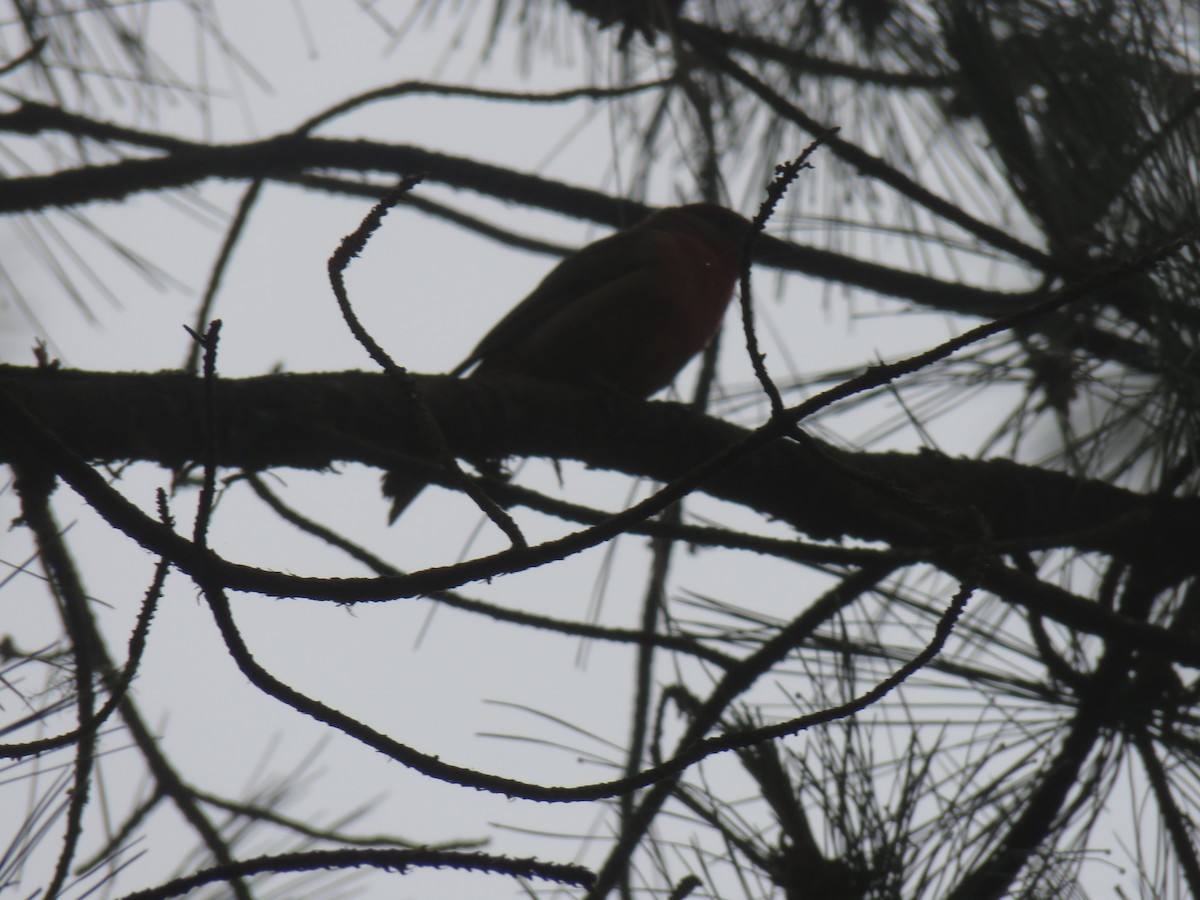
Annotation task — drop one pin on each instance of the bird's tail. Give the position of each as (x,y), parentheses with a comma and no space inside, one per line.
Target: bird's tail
(402,488)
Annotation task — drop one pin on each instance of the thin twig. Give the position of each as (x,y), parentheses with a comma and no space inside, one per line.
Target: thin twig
(351,246)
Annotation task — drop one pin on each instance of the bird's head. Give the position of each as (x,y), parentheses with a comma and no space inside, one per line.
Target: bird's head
(712,223)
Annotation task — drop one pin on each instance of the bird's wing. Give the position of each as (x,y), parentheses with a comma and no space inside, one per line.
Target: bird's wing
(607,260)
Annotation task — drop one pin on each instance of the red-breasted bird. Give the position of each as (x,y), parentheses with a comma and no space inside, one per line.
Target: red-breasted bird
(625,313)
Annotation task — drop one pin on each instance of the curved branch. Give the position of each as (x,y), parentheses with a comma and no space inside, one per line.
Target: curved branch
(389,860)
(296,158)
(289,155)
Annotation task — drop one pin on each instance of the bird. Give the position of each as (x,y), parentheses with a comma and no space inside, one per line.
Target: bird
(625,313)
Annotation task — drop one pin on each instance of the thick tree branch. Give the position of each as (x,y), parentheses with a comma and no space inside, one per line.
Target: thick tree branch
(312,421)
